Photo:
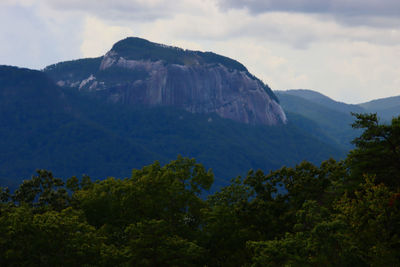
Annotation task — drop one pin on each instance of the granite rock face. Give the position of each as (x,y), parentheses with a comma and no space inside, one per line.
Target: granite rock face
(195,81)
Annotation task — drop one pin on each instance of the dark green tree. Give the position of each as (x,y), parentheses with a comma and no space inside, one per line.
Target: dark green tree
(152,243)
(377,150)
(128,211)
(52,238)
(372,219)
(43,191)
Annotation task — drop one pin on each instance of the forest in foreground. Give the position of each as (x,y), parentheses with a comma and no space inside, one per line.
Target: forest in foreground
(341,213)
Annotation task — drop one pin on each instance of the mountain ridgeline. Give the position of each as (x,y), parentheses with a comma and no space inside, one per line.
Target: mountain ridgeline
(139,72)
(71,133)
(143,102)
(386,108)
(330,118)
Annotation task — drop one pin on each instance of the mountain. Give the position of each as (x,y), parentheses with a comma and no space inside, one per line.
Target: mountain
(138,72)
(330,120)
(40,127)
(71,129)
(385,107)
(323,100)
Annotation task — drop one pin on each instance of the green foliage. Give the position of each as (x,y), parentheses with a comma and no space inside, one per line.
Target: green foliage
(377,150)
(361,230)
(52,238)
(151,243)
(372,217)
(141,49)
(226,229)
(151,218)
(304,215)
(42,191)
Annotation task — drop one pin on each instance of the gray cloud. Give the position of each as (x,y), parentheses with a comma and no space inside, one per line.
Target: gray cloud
(132,10)
(376,13)
(337,7)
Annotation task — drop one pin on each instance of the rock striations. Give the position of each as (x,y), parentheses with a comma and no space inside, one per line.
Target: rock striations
(138,72)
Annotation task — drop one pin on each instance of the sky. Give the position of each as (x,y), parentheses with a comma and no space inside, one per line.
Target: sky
(348,50)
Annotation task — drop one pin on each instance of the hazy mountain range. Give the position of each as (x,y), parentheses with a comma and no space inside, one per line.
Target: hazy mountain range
(334,118)
(143,102)
(386,108)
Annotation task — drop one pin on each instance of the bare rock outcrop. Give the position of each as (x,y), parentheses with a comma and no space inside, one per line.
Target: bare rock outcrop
(136,72)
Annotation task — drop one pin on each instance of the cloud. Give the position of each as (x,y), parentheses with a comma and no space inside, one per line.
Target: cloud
(119,10)
(296,30)
(337,7)
(99,37)
(33,40)
(373,13)
(24,3)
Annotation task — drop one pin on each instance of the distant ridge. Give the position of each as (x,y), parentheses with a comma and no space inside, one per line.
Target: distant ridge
(386,108)
(382,103)
(324,100)
(333,117)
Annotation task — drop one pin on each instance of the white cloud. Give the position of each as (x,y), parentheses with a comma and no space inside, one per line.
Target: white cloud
(98,37)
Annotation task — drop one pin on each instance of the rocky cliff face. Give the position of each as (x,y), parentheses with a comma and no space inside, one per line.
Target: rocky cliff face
(136,71)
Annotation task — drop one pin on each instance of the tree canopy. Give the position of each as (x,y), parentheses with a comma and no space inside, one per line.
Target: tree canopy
(341,213)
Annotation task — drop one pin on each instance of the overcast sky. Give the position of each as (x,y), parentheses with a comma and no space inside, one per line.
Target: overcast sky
(348,50)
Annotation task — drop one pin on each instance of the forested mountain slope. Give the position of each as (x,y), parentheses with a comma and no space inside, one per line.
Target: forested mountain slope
(333,118)
(331,124)
(72,133)
(387,108)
